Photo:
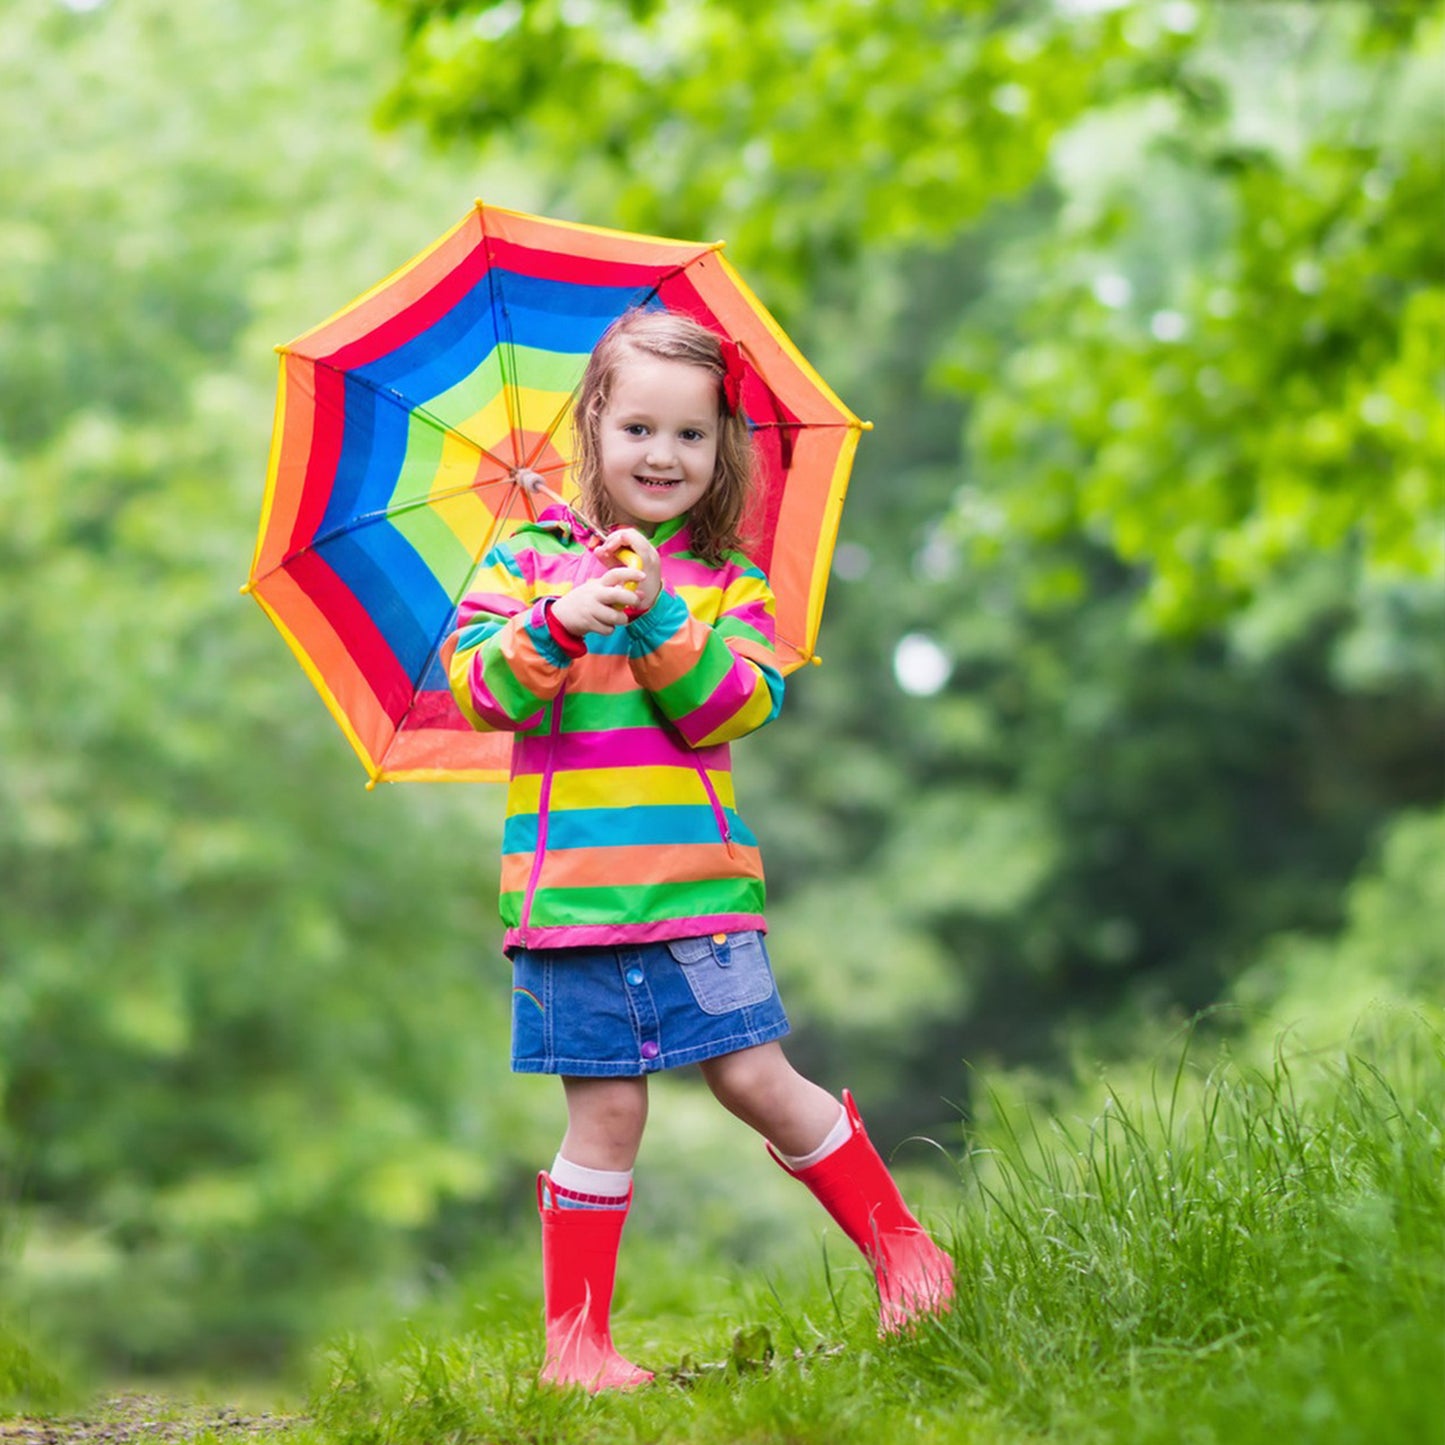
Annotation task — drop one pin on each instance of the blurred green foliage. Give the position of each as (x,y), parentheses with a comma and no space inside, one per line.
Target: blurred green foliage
(1239,365)
(248,1043)
(1145,301)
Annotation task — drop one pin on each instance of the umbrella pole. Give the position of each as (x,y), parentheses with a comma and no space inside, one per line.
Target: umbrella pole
(534,483)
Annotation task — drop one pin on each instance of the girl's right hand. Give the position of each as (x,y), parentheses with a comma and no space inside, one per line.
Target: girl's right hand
(628,540)
(600,604)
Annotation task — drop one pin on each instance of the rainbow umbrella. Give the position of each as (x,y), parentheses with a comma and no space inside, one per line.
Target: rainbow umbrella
(409,426)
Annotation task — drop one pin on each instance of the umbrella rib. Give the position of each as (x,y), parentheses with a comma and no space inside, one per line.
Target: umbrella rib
(381,514)
(506,347)
(517,493)
(396,509)
(416,409)
(551,430)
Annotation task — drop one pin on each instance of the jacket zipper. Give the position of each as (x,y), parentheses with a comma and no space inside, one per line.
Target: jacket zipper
(544,800)
(717,808)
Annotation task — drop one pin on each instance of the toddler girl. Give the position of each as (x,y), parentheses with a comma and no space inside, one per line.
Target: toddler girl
(632,890)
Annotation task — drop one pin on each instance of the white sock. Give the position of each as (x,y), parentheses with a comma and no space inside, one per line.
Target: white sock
(838,1135)
(578,1187)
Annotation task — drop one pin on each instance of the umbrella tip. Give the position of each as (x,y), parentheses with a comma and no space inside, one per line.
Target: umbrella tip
(371,785)
(816,660)
(865,425)
(245,588)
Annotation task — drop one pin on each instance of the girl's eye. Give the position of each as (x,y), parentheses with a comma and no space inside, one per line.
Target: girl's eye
(635,429)
(692,436)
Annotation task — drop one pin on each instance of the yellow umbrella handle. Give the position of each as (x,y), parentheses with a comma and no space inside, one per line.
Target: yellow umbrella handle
(626,557)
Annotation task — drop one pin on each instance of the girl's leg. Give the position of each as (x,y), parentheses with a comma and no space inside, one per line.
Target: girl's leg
(583,1203)
(824,1144)
(767,1093)
(605,1120)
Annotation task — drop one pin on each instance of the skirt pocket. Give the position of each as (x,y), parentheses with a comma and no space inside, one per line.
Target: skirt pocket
(725,972)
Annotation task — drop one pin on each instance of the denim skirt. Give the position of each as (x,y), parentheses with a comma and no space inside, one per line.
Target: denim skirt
(637,1008)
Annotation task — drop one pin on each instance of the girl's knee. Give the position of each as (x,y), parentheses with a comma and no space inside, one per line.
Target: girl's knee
(616,1103)
(748,1082)
(606,1114)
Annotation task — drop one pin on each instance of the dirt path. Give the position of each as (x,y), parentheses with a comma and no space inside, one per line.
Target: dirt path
(124,1419)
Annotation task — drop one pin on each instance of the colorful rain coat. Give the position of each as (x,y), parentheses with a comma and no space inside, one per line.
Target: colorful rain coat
(621,821)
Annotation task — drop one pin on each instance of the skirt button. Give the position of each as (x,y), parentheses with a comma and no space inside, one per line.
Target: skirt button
(650,1050)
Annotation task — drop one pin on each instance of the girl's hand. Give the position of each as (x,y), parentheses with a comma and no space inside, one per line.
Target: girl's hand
(648,562)
(599,604)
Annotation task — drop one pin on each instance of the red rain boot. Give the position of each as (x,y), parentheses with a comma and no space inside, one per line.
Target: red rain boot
(579,1265)
(853,1184)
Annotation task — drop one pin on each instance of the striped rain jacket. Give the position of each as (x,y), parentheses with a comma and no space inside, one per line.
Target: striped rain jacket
(621,822)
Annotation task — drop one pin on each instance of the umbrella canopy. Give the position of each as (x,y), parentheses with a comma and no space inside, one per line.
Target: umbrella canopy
(406,427)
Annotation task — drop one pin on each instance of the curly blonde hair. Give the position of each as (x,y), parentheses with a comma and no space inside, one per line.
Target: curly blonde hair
(715,523)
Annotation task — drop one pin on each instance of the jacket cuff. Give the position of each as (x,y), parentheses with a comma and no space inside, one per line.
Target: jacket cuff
(553,640)
(657,624)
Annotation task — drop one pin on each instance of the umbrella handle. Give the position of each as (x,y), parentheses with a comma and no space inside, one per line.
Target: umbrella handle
(626,557)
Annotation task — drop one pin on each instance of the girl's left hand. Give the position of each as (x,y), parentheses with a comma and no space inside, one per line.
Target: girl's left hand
(649,563)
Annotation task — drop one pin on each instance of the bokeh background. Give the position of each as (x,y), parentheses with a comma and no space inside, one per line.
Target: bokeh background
(1133,680)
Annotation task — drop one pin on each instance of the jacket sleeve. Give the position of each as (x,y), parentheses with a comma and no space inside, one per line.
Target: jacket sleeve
(717,682)
(502,662)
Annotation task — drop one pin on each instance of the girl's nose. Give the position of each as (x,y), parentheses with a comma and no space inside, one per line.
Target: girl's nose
(660,453)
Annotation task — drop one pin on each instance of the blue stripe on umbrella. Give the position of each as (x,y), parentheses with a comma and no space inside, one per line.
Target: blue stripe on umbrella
(397,590)
(557,316)
(373,448)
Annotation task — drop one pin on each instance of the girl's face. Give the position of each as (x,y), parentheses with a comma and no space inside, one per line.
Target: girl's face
(657,439)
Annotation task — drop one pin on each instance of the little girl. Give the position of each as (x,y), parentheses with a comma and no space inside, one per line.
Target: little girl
(632,890)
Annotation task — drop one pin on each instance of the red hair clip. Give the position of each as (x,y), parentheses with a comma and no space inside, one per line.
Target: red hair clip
(732,360)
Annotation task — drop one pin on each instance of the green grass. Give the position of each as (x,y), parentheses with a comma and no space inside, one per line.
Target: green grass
(25,1377)
(1225,1254)
(1210,1253)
